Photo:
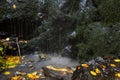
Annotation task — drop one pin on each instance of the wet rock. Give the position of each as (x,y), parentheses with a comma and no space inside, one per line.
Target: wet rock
(58,73)
(30,65)
(41,72)
(91,62)
(73,34)
(30,60)
(23,64)
(44,56)
(20,73)
(24,78)
(100,59)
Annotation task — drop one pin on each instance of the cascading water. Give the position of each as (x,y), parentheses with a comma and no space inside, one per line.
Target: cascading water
(83,5)
(60,3)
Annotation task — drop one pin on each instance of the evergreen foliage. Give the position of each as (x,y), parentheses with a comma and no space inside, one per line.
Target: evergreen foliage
(22,8)
(109,11)
(96,39)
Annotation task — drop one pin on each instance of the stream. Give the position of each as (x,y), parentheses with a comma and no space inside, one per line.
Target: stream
(33,62)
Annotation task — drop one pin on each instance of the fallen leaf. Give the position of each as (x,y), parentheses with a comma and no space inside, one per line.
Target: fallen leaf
(7,73)
(14,6)
(93,73)
(112,65)
(16,78)
(116,60)
(7,39)
(97,70)
(85,65)
(33,75)
(13,66)
(117,75)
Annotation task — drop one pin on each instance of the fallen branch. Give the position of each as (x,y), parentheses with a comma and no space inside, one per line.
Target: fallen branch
(58,73)
(18,49)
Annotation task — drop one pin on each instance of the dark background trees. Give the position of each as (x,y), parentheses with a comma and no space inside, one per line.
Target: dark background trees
(94,22)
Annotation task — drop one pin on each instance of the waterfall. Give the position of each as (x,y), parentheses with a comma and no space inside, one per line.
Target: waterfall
(41,1)
(9,1)
(60,3)
(83,5)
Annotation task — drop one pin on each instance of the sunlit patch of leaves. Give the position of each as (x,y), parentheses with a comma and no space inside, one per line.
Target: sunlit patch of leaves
(7,61)
(26,76)
(12,61)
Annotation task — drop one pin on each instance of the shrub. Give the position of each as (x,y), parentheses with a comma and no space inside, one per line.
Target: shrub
(96,39)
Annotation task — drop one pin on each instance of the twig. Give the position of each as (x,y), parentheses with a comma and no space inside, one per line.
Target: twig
(18,49)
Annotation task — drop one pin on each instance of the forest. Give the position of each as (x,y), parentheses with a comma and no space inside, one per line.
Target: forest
(59,39)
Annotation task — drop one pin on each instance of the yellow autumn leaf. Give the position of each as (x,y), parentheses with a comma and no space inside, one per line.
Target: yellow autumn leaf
(97,70)
(78,67)
(33,75)
(23,57)
(112,65)
(1,49)
(12,66)
(116,60)
(85,65)
(7,73)
(25,41)
(117,75)
(93,73)
(103,66)
(16,78)
(14,6)
(7,39)
(9,63)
